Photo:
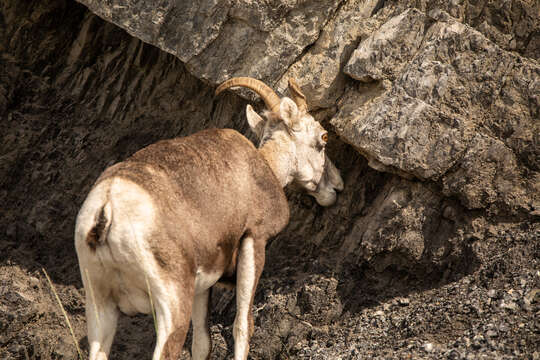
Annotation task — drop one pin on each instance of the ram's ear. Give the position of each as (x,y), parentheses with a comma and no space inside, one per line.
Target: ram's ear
(256,123)
(288,111)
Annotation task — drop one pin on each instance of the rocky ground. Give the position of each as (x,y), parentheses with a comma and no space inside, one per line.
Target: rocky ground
(307,310)
(491,312)
(433,248)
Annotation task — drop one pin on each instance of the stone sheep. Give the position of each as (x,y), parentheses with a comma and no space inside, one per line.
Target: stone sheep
(159,229)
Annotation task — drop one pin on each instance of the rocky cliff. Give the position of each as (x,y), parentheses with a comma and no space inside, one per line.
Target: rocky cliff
(432,250)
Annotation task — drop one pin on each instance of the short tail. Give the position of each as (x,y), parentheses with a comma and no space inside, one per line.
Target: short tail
(98,233)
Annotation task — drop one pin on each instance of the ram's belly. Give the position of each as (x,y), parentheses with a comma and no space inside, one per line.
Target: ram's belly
(132,297)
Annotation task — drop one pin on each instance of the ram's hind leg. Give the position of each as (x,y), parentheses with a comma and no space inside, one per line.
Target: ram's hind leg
(202,342)
(249,267)
(173,312)
(101,317)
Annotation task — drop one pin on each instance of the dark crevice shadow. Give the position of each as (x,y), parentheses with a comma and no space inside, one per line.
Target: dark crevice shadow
(362,286)
(330,241)
(60,133)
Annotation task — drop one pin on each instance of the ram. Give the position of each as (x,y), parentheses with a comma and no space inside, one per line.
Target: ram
(159,229)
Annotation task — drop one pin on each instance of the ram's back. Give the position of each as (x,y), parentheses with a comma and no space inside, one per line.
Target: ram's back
(206,191)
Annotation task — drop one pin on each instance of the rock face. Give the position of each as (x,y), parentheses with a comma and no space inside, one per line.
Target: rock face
(219,39)
(450,94)
(433,106)
(458,110)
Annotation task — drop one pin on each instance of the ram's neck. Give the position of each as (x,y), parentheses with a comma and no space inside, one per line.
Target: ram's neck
(280,156)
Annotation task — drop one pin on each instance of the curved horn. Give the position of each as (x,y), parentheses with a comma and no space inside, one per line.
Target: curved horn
(297,95)
(271,99)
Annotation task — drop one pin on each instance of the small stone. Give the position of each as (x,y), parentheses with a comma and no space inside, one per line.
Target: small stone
(479,337)
(533,296)
(491,333)
(453,354)
(478,309)
(330,343)
(477,341)
(449,213)
(515,294)
(404,301)
(379,313)
(34,282)
(509,305)
(526,306)
(428,347)
(492,293)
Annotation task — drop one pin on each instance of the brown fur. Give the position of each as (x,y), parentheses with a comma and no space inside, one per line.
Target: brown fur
(174,344)
(211,189)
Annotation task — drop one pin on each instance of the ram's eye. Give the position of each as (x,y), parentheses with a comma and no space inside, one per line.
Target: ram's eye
(324,138)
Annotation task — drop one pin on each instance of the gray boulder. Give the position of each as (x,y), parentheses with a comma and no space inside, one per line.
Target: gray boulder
(456,109)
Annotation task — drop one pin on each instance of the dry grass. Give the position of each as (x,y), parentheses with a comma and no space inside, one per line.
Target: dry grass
(91,290)
(151,304)
(63,312)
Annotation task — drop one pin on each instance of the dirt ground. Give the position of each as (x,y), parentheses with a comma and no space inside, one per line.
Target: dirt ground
(305,310)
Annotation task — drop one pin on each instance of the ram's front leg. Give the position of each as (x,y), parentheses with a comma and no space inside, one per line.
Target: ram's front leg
(248,270)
